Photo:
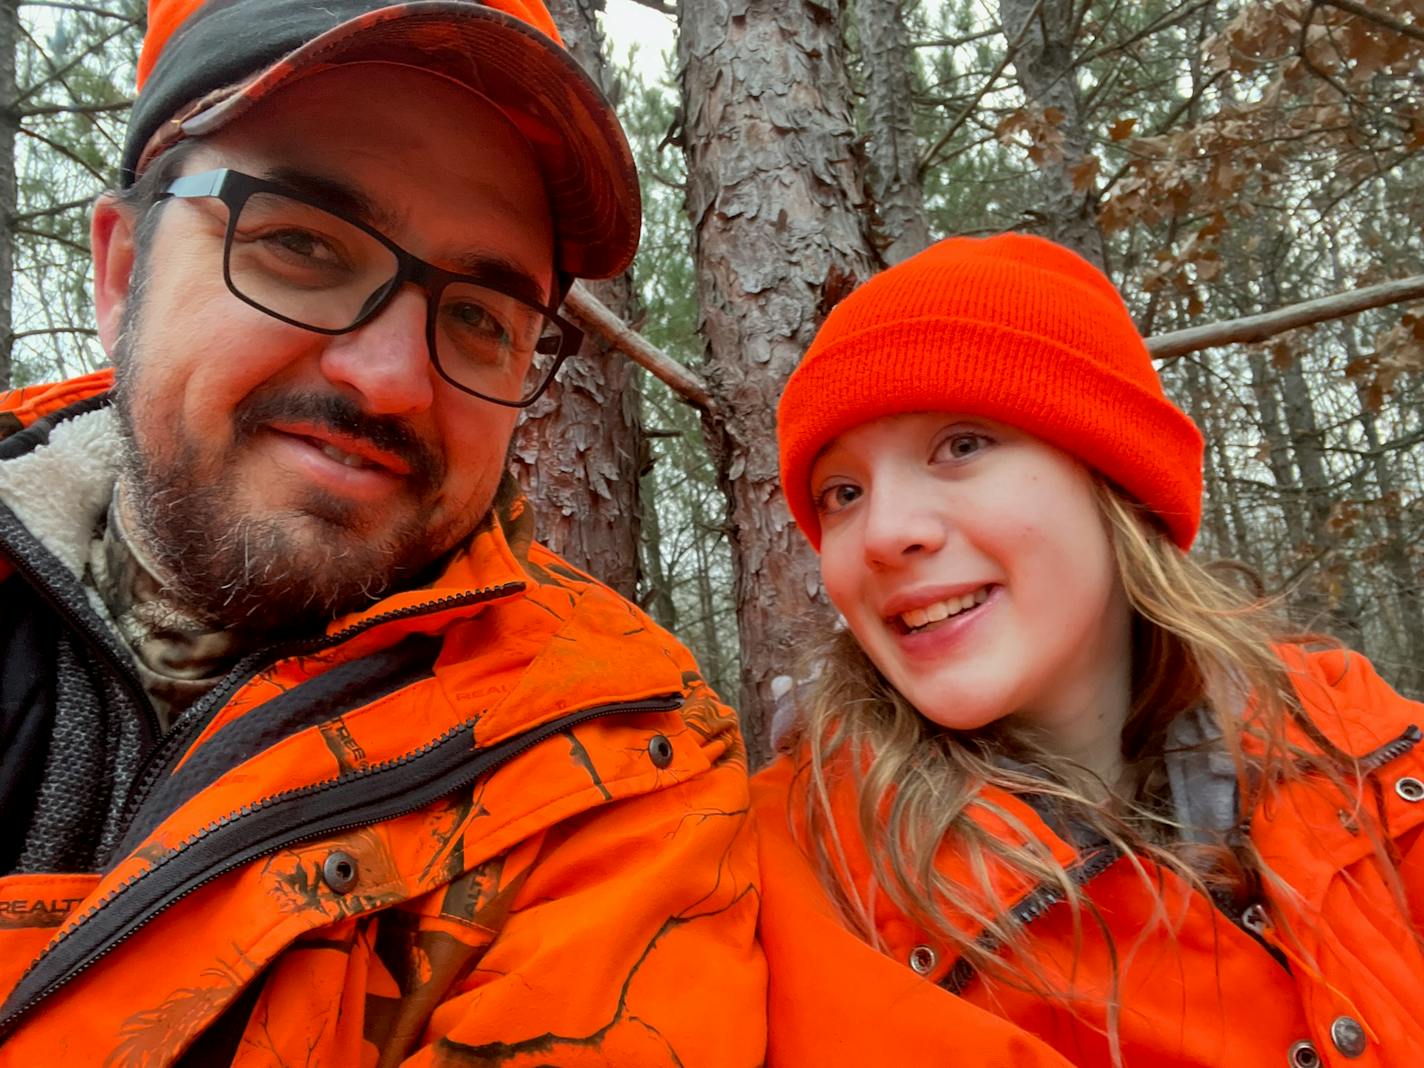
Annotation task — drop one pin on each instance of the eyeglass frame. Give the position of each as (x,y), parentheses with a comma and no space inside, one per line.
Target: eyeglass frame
(234,189)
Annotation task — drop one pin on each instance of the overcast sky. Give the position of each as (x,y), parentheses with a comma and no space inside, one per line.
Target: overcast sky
(626,23)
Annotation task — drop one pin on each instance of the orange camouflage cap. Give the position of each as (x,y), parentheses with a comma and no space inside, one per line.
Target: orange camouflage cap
(205,62)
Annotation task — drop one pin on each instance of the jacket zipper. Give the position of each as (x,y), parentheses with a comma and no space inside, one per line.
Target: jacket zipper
(173,745)
(1033,906)
(1038,901)
(1391,750)
(400,787)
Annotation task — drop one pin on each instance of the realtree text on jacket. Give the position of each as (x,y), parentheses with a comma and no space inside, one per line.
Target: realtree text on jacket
(496,820)
(1217,989)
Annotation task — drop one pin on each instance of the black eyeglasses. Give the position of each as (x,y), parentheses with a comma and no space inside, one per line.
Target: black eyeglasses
(288,255)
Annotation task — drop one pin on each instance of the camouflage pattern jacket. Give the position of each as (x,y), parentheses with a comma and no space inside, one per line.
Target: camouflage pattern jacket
(497,820)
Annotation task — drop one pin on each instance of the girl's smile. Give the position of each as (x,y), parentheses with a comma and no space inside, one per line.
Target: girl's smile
(943,630)
(973,564)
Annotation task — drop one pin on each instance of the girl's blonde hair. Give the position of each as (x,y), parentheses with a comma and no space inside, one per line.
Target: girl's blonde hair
(1199,642)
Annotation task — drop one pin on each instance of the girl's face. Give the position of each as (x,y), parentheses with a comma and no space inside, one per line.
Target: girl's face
(972,563)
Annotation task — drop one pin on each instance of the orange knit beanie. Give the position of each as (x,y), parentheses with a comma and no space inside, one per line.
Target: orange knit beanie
(1012,328)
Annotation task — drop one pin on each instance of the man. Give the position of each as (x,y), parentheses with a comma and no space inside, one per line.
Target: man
(310,755)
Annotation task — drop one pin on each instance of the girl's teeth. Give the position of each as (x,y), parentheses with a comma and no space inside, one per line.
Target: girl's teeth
(951,606)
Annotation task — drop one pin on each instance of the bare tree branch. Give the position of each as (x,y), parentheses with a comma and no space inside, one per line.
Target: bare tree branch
(659,6)
(58,239)
(82,9)
(83,331)
(58,74)
(600,321)
(1365,13)
(928,158)
(1268,324)
(1166,22)
(74,109)
(1167,124)
(65,151)
(52,209)
(955,42)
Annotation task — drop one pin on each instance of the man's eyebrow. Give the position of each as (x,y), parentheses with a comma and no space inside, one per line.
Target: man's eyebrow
(501,272)
(337,195)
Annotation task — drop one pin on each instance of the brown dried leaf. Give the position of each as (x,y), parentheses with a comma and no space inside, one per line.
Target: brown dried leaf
(1085,174)
(1360,367)
(1011,124)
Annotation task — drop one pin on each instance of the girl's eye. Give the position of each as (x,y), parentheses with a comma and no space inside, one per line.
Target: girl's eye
(833,498)
(960,446)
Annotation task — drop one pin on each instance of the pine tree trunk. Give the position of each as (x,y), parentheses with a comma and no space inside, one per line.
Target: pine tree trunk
(1333,605)
(893,151)
(774,196)
(1220,521)
(577,451)
(1400,576)
(658,598)
(1339,605)
(1043,60)
(9,126)
(1276,443)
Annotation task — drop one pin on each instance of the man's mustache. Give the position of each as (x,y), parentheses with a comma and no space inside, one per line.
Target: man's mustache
(340,415)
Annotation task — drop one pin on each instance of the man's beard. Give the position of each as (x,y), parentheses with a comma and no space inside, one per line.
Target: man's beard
(275,572)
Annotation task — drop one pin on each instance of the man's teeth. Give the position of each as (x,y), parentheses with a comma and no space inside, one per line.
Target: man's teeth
(344,457)
(933,613)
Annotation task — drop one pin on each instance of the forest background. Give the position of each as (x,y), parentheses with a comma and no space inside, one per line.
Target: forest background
(1250,174)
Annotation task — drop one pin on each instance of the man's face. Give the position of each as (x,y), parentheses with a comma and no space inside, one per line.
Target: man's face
(283,476)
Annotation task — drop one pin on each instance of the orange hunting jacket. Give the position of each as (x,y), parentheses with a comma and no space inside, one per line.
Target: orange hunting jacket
(1225,987)
(534,852)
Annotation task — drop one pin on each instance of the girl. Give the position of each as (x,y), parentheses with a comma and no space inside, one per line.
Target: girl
(1054,768)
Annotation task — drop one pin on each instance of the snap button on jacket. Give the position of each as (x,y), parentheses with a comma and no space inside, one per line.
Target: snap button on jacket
(485,859)
(1211,992)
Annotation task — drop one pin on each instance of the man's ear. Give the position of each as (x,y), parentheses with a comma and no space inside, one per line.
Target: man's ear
(111,240)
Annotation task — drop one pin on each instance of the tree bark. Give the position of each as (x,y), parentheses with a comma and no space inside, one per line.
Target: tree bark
(9,193)
(1043,60)
(893,151)
(1337,609)
(1277,443)
(776,203)
(1340,605)
(658,599)
(577,451)
(1401,578)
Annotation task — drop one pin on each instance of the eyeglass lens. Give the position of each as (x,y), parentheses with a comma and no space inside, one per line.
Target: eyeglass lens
(317,269)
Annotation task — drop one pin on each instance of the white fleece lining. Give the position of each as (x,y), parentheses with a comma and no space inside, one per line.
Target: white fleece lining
(60,490)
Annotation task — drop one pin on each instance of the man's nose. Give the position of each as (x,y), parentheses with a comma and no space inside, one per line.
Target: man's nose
(386,360)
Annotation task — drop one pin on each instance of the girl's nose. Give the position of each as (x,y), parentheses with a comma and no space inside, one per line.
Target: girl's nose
(901,523)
